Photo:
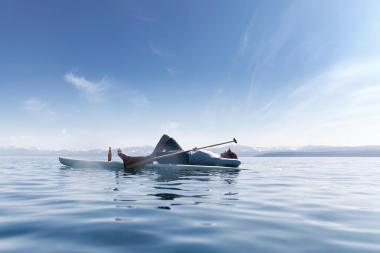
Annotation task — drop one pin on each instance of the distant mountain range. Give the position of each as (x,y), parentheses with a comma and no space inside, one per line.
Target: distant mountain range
(325,151)
(15,151)
(243,151)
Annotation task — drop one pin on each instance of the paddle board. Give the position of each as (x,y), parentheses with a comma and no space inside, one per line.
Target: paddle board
(115,165)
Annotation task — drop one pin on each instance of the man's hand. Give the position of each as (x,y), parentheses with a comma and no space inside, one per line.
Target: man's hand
(119,151)
(195,149)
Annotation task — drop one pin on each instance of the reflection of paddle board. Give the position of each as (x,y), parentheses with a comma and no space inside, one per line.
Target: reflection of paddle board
(77,163)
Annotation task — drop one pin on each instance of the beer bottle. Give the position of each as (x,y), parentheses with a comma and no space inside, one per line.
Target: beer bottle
(109,154)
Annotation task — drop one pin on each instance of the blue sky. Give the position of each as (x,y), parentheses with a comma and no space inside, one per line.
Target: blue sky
(89,74)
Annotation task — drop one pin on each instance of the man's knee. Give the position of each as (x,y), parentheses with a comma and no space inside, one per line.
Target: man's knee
(164,138)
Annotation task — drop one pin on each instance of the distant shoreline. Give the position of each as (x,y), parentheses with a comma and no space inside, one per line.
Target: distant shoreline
(320,154)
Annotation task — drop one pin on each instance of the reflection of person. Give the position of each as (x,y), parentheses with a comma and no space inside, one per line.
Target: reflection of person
(168,145)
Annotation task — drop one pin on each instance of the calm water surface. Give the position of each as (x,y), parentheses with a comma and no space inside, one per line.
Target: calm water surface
(273,205)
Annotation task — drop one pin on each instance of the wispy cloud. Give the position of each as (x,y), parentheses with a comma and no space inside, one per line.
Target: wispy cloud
(336,105)
(267,106)
(36,105)
(171,71)
(266,46)
(340,105)
(160,51)
(245,40)
(349,81)
(165,55)
(260,49)
(91,90)
(138,100)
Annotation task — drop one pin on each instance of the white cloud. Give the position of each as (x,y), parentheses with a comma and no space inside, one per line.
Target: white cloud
(34,104)
(171,71)
(267,106)
(91,90)
(160,51)
(245,40)
(339,106)
(349,83)
(138,100)
(260,49)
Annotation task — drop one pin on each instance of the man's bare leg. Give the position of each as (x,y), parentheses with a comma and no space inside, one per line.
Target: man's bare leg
(165,144)
(128,160)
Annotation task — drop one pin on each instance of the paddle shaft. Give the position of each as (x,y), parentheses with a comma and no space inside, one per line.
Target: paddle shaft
(177,153)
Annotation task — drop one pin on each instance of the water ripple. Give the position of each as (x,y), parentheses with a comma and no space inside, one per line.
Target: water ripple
(272,205)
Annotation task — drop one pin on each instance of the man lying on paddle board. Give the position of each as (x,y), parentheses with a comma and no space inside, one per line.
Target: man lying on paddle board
(168,145)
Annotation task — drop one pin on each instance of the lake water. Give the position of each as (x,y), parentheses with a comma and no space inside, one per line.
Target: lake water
(273,205)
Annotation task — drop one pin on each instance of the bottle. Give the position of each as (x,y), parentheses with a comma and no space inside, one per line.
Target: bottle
(109,154)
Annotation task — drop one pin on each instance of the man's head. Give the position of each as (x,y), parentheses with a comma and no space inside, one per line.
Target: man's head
(229,154)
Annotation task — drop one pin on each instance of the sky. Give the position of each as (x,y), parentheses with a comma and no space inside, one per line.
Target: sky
(92,74)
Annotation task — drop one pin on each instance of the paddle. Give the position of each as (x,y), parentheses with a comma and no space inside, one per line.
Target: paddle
(132,166)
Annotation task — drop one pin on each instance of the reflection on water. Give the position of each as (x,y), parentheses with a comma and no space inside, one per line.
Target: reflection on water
(168,196)
(272,205)
(163,181)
